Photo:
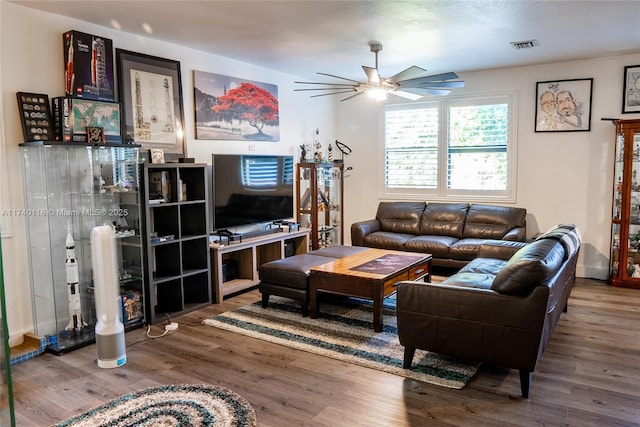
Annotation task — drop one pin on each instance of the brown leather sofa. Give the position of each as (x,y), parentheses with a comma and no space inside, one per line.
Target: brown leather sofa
(451,232)
(499,309)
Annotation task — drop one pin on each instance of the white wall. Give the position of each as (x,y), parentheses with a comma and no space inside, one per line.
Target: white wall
(562,177)
(32,61)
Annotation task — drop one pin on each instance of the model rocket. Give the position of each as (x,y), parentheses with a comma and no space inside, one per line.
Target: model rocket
(70,76)
(76,322)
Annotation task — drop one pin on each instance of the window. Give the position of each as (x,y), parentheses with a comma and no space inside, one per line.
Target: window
(452,148)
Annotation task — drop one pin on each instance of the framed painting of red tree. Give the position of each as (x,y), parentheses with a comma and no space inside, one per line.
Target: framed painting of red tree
(229,108)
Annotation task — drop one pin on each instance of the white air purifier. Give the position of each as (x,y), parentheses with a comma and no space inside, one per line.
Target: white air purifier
(109,328)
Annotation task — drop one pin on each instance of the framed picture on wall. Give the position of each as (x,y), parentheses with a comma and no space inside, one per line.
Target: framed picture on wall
(631,91)
(563,105)
(231,108)
(150,90)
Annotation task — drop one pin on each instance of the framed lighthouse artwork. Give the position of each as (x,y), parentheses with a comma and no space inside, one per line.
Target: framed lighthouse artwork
(150,90)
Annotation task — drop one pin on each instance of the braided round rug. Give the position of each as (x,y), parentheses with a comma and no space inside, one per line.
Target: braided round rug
(171,405)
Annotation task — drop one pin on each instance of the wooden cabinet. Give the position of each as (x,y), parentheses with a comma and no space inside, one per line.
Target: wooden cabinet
(625,223)
(176,227)
(320,198)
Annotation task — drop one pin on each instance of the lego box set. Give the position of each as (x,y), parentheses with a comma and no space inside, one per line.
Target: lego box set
(88,61)
(72,117)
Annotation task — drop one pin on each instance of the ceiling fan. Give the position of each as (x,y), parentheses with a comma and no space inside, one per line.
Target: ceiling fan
(410,84)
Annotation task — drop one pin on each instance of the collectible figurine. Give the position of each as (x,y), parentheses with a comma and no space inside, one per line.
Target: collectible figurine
(317,155)
(303,153)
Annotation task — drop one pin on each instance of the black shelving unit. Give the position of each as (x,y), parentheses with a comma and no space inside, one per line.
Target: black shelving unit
(176,239)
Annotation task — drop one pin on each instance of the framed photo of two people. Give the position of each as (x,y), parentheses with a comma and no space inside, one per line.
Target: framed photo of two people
(563,105)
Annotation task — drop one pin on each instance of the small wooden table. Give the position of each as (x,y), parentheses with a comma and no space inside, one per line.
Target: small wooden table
(369,274)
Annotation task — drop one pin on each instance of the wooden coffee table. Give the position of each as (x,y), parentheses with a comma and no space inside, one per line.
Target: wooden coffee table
(369,274)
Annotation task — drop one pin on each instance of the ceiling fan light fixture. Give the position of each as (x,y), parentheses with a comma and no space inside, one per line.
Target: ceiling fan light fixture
(377,93)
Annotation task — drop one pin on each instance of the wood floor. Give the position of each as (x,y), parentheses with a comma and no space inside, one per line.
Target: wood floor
(588,376)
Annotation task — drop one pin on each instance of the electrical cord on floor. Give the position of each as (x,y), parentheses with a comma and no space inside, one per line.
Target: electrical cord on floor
(169,327)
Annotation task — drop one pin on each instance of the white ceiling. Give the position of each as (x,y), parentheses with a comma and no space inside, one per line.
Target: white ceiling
(304,37)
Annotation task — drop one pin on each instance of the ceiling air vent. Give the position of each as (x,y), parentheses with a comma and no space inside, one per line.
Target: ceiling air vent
(526,44)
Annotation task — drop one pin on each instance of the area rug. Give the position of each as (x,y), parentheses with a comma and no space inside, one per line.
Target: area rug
(171,405)
(343,330)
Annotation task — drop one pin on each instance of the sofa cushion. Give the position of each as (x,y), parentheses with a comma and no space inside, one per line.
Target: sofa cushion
(484,265)
(438,246)
(400,217)
(492,222)
(465,249)
(499,249)
(470,280)
(387,240)
(530,266)
(444,219)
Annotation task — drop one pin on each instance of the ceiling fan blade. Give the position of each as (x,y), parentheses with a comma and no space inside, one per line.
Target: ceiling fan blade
(372,74)
(352,96)
(427,91)
(429,79)
(406,95)
(348,88)
(457,83)
(338,77)
(409,73)
(332,93)
(328,84)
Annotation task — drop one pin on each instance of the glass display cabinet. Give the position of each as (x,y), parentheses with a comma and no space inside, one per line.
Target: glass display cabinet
(320,197)
(624,267)
(69,190)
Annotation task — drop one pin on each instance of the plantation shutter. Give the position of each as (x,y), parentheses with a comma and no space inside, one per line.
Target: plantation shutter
(411,147)
(477,147)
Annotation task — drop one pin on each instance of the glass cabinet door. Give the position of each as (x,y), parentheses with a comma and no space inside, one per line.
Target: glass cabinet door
(617,204)
(320,190)
(329,217)
(633,257)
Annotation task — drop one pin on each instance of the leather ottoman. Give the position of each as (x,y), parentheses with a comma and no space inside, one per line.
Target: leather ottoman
(289,277)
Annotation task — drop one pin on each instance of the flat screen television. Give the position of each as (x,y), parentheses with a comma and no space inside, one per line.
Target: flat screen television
(251,189)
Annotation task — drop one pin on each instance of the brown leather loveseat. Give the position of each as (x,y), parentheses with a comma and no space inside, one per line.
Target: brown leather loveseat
(451,232)
(499,309)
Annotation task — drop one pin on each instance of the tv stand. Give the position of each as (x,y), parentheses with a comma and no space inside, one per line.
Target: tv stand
(264,232)
(248,255)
